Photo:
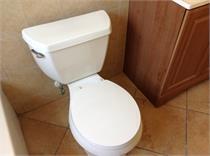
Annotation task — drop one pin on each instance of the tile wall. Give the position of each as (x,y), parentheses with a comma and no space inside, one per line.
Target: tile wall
(25,85)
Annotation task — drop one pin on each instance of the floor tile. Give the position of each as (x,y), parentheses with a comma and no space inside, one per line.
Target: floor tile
(41,138)
(202,107)
(69,146)
(140,96)
(55,112)
(142,152)
(124,82)
(163,129)
(198,97)
(198,134)
(179,101)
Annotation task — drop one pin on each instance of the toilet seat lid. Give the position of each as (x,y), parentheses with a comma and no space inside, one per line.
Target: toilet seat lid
(105,114)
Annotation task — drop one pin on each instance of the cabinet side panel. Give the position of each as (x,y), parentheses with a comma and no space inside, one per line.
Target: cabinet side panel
(132,40)
(152,32)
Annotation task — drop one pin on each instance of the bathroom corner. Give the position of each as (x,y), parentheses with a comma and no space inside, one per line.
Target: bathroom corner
(104,77)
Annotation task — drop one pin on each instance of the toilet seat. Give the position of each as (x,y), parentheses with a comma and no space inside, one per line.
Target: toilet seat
(104,114)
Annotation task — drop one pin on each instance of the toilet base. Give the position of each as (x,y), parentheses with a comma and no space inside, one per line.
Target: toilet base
(88,147)
(90,154)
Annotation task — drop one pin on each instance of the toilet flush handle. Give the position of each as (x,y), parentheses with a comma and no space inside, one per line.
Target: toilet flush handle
(38,55)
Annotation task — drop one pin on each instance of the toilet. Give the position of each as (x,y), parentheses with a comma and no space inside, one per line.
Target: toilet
(104,118)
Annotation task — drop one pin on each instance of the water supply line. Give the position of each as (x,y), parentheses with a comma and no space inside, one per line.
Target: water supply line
(60,87)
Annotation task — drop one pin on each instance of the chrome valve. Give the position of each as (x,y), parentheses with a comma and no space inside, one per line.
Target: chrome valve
(60,87)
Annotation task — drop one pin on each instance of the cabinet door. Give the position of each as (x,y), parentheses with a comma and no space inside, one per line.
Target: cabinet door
(190,63)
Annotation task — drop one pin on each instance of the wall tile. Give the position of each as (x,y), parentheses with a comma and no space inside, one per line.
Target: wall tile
(28,89)
(76,7)
(16,55)
(3,76)
(108,4)
(71,8)
(115,54)
(12,19)
(25,85)
(39,12)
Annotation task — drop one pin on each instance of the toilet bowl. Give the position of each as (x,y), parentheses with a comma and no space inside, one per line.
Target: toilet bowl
(104,118)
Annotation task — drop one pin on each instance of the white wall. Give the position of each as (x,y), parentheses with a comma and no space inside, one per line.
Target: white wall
(11,137)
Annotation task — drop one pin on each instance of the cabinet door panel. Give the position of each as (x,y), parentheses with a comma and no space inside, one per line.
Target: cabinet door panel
(192,50)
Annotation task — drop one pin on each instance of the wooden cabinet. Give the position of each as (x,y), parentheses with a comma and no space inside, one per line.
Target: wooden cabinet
(167,48)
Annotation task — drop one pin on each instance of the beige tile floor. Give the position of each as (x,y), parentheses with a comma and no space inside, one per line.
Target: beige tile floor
(179,128)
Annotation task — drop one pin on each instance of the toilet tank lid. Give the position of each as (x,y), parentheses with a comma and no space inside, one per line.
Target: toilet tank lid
(67,32)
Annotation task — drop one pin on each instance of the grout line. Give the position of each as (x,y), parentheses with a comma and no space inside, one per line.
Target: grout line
(188,109)
(37,108)
(176,107)
(60,143)
(149,150)
(204,113)
(45,122)
(198,112)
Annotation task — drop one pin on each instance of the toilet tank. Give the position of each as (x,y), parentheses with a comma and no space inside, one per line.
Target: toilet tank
(70,49)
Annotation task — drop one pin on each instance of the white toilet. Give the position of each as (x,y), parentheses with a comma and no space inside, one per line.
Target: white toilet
(104,118)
